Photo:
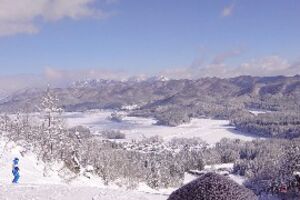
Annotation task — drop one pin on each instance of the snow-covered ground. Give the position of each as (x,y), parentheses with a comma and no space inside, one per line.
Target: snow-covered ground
(209,130)
(35,186)
(223,169)
(257,112)
(66,192)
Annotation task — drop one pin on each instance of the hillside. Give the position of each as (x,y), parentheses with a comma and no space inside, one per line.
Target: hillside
(34,185)
(172,102)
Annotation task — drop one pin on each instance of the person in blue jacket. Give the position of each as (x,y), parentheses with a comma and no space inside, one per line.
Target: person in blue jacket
(16,170)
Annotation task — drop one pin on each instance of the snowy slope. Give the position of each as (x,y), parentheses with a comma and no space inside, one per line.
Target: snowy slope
(65,192)
(34,186)
(8,151)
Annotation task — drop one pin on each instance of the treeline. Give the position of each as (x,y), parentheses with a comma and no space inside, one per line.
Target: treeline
(272,124)
(271,167)
(179,111)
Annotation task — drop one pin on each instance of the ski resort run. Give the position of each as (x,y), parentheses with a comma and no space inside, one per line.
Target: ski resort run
(36,185)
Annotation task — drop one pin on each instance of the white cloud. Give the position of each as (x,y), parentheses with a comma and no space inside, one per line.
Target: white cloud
(14,28)
(228,10)
(56,78)
(266,66)
(21,16)
(12,83)
(65,77)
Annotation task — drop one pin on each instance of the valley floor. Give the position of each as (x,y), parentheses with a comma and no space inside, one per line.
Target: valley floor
(209,130)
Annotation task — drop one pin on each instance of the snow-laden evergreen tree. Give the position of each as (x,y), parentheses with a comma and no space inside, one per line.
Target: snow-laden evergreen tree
(288,179)
(18,126)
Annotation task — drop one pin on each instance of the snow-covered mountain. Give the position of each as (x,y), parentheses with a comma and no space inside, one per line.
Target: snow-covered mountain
(158,78)
(91,83)
(172,102)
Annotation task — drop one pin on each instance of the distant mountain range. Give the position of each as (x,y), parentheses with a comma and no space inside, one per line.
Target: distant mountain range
(202,97)
(4,93)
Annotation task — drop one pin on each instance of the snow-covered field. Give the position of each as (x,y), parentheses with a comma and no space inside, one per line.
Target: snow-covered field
(257,112)
(209,130)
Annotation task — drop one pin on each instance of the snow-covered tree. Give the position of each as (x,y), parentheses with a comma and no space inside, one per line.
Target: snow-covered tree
(288,175)
(5,122)
(212,186)
(116,117)
(54,131)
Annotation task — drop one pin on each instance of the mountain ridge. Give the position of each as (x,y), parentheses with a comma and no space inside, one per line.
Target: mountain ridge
(202,97)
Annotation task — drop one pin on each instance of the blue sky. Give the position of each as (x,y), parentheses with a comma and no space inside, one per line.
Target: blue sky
(150,36)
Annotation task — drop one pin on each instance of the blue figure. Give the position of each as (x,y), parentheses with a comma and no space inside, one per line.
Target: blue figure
(16,170)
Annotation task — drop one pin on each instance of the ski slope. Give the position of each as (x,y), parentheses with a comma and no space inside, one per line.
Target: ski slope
(35,186)
(65,192)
